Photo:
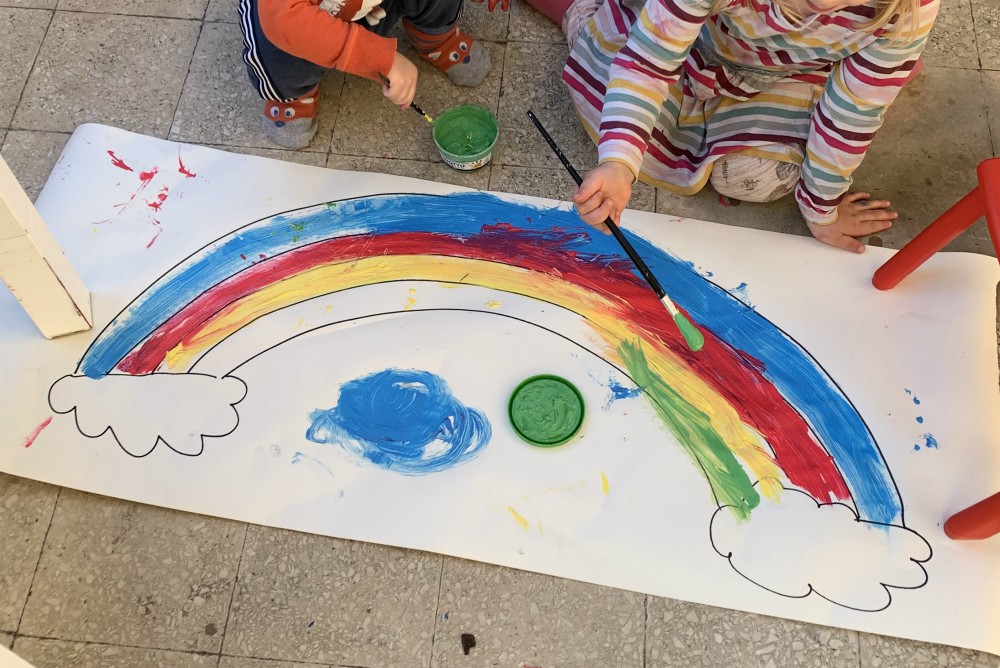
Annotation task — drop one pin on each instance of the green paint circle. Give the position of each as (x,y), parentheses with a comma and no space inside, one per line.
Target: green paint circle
(465,136)
(546,410)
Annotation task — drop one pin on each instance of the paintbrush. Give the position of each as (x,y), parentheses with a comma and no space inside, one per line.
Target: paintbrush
(413,105)
(692,336)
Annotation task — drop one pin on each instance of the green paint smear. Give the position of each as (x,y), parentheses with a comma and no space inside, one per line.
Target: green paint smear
(693,429)
(466,131)
(546,411)
(692,335)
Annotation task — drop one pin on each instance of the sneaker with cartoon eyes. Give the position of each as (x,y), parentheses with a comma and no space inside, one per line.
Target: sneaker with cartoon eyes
(291,124)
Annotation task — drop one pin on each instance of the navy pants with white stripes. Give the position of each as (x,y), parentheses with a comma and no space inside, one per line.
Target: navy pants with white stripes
(278,75)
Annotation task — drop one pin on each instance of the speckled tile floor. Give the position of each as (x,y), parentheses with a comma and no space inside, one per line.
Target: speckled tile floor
(82,581)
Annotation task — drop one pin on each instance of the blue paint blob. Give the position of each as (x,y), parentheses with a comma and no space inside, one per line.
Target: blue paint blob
(930,441)
(405,421)
(920,419)
(916,401)
(916,447)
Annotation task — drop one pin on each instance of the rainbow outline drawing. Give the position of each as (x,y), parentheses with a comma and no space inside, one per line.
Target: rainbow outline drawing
(753,410)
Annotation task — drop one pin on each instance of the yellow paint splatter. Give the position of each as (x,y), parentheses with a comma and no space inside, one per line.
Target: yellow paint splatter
(410,300)
(493,304)
(577,485)
(605,487)
(95,230)
(327,309)
(298,324)
(518,517)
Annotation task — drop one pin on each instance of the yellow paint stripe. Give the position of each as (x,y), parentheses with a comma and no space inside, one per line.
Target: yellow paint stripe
(600,313)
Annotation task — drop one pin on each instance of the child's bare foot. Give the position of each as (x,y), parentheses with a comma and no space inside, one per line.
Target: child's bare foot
(858,216)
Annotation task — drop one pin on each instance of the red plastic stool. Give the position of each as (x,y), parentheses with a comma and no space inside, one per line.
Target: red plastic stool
(981,520)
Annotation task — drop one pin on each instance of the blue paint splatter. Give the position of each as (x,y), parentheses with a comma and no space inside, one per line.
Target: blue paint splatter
(916,400)
(916,447)
(742,292)
(405,421)
(929,442)
(920,419)
(619,391)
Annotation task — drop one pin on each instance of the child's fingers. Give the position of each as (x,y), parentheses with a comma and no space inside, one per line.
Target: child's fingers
(856,197)
(845,242)
(877,204)
(877,216)
(587,189)
(591,204)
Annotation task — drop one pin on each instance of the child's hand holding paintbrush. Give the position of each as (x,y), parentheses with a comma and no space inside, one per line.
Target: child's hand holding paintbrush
(598,204)
(400,84)
(394,92)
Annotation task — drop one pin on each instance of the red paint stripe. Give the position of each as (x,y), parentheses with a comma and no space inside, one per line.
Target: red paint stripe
(733,374)
(30,438)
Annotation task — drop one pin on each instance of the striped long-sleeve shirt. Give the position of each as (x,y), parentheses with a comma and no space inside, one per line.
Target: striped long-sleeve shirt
(667,89)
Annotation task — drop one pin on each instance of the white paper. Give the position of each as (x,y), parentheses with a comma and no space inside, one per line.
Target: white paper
(225,431)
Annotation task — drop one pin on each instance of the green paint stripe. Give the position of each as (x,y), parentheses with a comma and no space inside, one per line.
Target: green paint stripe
(693,429)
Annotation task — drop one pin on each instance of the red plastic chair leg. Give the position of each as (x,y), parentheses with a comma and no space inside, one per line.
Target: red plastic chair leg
(984,200)
(933,238)
(989,182)
(975,522)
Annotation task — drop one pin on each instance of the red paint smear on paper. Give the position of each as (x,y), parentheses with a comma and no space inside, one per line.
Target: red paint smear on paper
(734,374)
(155,237)
(157,203)
(146,177)
(30,438)
(119,163)
(181,168)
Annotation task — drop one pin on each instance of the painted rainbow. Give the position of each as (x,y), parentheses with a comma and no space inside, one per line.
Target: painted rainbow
(751,406)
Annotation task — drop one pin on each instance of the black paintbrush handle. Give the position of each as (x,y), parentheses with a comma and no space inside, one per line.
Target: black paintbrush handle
(619,236)
(413,105)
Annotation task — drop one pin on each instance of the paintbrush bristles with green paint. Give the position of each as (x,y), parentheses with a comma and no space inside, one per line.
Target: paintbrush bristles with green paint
(692,336)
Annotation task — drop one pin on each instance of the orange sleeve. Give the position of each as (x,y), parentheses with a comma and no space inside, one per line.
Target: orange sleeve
(301,28)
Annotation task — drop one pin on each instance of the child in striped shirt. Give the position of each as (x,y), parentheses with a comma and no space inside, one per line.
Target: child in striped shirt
(290,45)
(757,97)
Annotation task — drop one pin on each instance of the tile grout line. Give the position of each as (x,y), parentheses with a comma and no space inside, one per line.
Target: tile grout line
(34,573)
(187,74)
(34,62)
(33,636)
(645,627)
(975,36)
(232,595)
(437,604)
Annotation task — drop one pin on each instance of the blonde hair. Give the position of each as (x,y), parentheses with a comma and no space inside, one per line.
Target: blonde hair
(902,16)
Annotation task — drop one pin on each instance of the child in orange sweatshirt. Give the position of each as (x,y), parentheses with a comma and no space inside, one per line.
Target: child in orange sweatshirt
(289,45)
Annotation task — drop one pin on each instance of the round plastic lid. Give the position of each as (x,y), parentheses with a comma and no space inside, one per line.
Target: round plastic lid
(546,410)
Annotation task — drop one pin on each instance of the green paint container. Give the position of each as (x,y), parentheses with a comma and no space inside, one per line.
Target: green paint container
(465,136)
(546,410)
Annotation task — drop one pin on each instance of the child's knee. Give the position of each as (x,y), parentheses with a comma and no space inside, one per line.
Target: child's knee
(752,179)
